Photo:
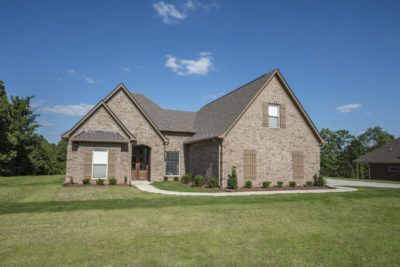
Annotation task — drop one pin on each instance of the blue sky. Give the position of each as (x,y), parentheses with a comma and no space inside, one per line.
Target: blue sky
(342,58)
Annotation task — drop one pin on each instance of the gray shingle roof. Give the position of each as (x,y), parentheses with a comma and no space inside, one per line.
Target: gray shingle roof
(165,120)
(211,120)
(100,136)
(216,117)
(389,153)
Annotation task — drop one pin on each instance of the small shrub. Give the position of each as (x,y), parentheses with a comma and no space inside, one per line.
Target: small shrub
(198,181)
(232,179)
(125,180)
(309,183)
(186,179)
(247,184)
(320,181)
(100,181)
(266,184)
(292,183)
(71,180)
(176,179)
(165,178)
(112,181)
(279,183)
(212,182)
(85,181)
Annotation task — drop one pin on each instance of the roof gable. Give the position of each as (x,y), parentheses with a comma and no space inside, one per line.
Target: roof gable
(389,153)
(85,118)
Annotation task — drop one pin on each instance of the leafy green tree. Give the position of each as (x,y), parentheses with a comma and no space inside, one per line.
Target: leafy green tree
(375,137)
(5,120)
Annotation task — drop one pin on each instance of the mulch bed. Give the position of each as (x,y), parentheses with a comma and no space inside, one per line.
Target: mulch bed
(90,185)
(275,188)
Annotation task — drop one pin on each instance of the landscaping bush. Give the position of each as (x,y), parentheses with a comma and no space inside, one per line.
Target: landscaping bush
(198,181)
(320,181)
(279,183)
(100,181)
(309,183)
(165,178)
(212,182)
(186,179)
(112,181)
(71,180)
(266,184)
(232,179)
(176,179)
(292,184)
(125,180)
(86,181)
(247,184)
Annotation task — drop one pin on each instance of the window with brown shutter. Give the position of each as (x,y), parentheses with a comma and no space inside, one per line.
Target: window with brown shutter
(265,114)
(87,164)
(283,115)
(250,164)
(298,164)
(112,156)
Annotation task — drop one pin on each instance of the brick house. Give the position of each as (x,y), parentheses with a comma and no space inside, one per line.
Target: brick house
(260,128)
(383,162)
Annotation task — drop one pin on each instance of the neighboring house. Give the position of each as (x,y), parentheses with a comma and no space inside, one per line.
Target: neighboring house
(383,162)
(260,128)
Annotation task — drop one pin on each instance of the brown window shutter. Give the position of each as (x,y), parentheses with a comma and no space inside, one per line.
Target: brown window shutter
(250,164)
(87,164)
(265,114)
(253,165)
(283,115)
(112,155)
(301,165)
(295,164)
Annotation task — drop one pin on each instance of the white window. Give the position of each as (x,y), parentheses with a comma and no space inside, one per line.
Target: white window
(172,163)
(273,116)
(100,160)
(394,168)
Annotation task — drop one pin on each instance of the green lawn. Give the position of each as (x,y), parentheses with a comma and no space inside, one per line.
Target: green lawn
(366,180)
(45,224)
(177,186)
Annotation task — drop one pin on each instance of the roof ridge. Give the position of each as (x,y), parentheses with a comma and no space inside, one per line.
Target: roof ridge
(215,100)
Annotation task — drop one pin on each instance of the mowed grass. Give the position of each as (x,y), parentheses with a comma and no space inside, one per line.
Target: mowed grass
(45,224)
(179,187)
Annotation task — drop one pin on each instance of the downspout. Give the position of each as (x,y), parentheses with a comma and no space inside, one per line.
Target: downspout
(220,171)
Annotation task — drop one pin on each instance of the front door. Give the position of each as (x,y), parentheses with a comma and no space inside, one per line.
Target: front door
(140,163)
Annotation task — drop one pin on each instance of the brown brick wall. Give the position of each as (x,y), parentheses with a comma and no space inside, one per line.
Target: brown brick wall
(176,144)
(203,159)
(145,134)
(273,146)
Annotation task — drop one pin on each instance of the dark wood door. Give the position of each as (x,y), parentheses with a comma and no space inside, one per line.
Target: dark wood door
(140,163)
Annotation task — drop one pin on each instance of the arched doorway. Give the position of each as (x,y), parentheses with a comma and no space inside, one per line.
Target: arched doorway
(140,167)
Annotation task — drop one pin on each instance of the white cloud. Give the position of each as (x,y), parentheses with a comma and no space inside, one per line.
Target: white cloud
(45,123)
(171,14)
(126,69)
(348,107)
(200,66)
(67,110)
(168,12)
(86,78)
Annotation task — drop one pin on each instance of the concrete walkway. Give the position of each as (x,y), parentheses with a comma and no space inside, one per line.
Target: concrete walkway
(339,182)
(147,187)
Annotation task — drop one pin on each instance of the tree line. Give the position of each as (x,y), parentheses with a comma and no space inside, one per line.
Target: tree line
(25,152)
(22,150)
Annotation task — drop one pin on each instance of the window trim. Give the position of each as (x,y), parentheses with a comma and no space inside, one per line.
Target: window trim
(393,168)
(179,164)
(277,117)
(98,149)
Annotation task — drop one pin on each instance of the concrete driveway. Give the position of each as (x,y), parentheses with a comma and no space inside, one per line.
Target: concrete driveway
(339,182)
